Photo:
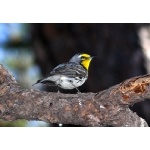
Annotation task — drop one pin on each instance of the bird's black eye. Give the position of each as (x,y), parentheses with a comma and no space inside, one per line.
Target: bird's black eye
(82,57)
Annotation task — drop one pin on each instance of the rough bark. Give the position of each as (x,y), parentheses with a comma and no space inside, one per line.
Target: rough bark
(106,108)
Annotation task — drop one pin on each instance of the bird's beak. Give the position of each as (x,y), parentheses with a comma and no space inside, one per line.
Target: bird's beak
(93,57)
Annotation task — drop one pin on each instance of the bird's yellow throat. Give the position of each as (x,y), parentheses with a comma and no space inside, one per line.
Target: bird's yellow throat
(86,63)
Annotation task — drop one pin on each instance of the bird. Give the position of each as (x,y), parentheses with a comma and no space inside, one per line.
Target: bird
(69,75)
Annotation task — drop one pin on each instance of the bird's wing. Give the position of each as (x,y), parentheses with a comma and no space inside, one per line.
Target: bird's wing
(69,69)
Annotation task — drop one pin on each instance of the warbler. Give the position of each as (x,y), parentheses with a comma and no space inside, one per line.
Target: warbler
(69,75)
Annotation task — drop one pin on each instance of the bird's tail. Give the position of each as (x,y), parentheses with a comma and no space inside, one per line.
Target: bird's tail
(39,81)
(44,81)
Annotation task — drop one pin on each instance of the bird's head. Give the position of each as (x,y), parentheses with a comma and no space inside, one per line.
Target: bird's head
(83,59)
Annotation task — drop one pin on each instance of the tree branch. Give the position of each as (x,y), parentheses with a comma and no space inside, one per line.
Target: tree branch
(108,107)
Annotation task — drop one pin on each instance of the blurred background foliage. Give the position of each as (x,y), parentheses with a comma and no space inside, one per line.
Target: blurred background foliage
(30,51)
